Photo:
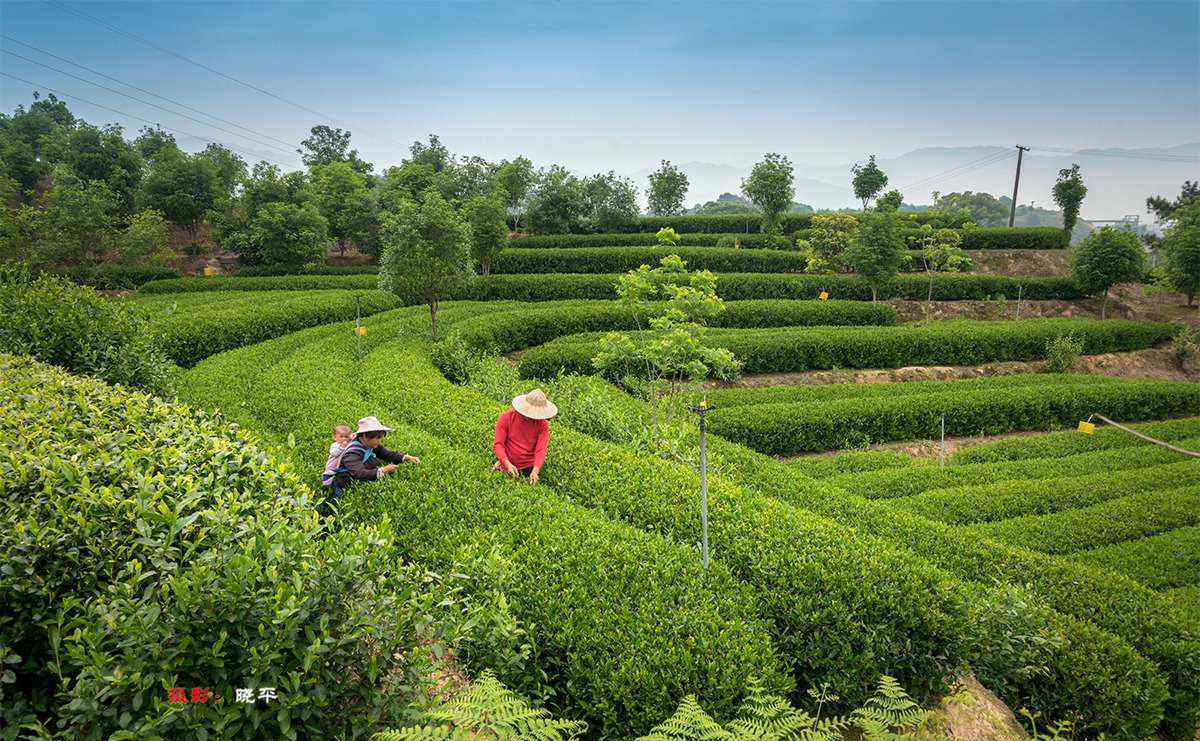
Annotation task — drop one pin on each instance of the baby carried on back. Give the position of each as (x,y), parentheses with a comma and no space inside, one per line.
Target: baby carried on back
(363,458)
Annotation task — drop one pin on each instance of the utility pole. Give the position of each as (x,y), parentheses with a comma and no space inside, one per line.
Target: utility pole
(1012,214)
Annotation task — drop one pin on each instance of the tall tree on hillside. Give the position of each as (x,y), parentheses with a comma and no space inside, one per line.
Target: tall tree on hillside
(328,145)
(489,228)
(1181,248)
(770,188)
(1105,258)
(876,252)
(609,201)
(183,187)
(868,181)
(151,141)
(341,195)
(230,169)
(516,178)
(426,251)
(25,136)
(103,155)
(668,187)
(433,154)
(889,201)
(77,219)
(1163,209)
(286,234)
(557,204)
(1068,194)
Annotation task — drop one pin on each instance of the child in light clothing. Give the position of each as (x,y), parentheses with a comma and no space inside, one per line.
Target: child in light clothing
(341,439)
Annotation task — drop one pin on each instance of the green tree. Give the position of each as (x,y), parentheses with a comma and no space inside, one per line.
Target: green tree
(327,145)
(145,241)
(668,187)
(21,229)
(876,252)
(941,252)
(770,188)
(1181,248)
(609,202)
(557,205)
(230,170)
(890,201)
(983,208)
(1163,209)
(726,203)
(341,194)
(183,187)
(489,228)
(103,155)
(426,250)
(831,234)
(1068,194)
(1105,258)
(516,178)
(404,183)
(151,141)
(433,154)
(466,178)
(868,181)
(77,222)
(285,234)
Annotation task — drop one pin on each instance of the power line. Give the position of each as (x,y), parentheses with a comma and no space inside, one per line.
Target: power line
(135,98)
(119,112)
(963,169)
(1151,156)
(98,73)
(189,60)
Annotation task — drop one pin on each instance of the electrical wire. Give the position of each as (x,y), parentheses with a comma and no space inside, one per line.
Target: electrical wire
(290,145)
(119,112)
(962,169)
(139,100)
(1150,156)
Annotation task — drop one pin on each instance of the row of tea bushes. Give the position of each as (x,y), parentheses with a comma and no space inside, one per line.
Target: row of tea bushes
(1001,500)
(791,428)
(1061,444)
(788,223)
(194,329)
(149,545)
(1167,561)
(955,342)
(622,259)
(883,484)
(621,623)
(842,607)
(1016,238)
(1114,521)
(854,462)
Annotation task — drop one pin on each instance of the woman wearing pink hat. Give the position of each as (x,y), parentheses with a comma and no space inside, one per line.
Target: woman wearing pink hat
(365,458)
(522,434)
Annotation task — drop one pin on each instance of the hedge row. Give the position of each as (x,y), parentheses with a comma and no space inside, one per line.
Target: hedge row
(1080,659)
(149,545)
(819,392)
(956,342)
(110,277)
(788,223)
(1000,500)
(1016,238)
(1162,561)
(820,585)
(890,484)
(788,429)
(266,270)
(622,624)
(1062,444)
(854,462)
(523,326)
(1115,521)
(730,286)
(622,259)
(190,336)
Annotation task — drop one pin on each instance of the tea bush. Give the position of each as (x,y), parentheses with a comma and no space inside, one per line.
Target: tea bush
(72,326)
(790,428)
(1015,238)
(114,277)
(649,239)
(1001,500)
(1060,444)
(148,545)
(788,222)
(621,259)
(1160,562)
(1115,521)
(957,342)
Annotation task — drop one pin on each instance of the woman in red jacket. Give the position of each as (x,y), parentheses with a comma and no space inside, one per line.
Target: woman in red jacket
(522,433)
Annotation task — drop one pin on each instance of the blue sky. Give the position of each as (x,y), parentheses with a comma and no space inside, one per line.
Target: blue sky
(621,85)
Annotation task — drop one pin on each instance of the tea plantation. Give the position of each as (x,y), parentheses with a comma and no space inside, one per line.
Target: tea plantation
(154,542)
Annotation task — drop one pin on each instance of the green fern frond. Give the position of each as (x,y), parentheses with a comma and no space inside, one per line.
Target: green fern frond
(768,717)
(889,713)
(689,723)
(487,709)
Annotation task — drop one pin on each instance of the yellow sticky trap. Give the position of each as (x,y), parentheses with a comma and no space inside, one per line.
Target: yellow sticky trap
(824,295)
(209,271)
(1087,428)
(704,403)
(360,331)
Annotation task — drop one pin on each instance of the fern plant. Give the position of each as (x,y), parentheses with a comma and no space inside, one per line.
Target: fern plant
(487,709)
(889,714)
(689,723)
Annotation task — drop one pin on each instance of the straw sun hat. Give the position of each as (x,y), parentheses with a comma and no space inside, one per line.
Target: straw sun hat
(535,405)
(370,424)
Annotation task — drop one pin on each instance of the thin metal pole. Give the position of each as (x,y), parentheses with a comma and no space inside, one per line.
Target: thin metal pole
(1020,286)
(942,450)
(1012,214)
(703,488)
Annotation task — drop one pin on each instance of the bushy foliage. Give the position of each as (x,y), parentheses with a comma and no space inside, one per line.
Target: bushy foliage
(489,231)
(1165,561)
(668,187)
(770,188)
(867,181)
(1062,444)
(789,222)
(1181,249)
(1068,192)
(285,234)
(666,237)
(58,322)
(1105,258)
(621,259)
(110,277)
(1062,352)
(1015,238)
(876,252)
(831,234)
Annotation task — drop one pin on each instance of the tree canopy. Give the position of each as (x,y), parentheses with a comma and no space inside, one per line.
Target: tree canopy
(770,188)
(668,187)
(868,181)
(1069,192)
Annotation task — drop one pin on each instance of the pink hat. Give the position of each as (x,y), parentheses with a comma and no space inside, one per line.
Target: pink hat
(370,424)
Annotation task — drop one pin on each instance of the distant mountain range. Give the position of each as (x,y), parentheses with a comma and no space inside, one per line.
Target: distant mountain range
(1118,180)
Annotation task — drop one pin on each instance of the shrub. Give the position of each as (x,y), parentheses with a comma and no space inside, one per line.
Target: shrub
(957,342)
(1105,258)
(1062,352)
(1061,444)
(1015,238)
(667,237)
(132,566)
(72,326)
(787,429)
(620,259)
(114,277)
(788,222)
(562,241)
(1159,562)
(259,271)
